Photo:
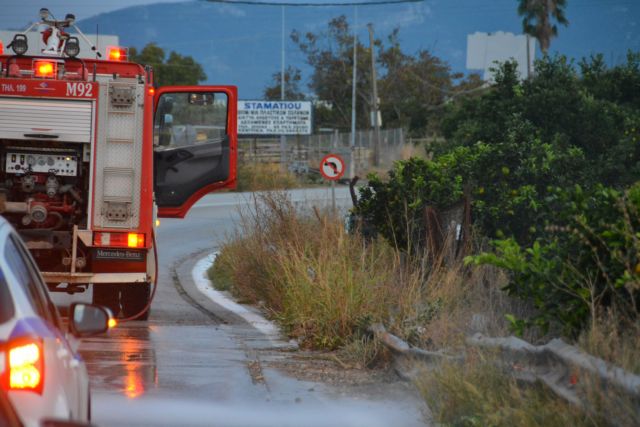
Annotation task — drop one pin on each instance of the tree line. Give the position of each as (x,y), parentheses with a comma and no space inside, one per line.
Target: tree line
(413,87)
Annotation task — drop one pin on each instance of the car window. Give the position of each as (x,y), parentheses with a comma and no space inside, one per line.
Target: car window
(7,309)
(19,264)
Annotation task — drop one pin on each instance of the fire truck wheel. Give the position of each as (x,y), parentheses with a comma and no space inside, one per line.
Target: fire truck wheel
(107,296)
(135,298)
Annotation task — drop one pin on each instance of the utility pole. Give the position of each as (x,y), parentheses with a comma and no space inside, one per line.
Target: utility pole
(352,142)
(528,57)
(283,138)
(374,99)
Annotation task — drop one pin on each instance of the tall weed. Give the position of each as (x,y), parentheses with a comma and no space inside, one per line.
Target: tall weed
(480,394)
(324,285)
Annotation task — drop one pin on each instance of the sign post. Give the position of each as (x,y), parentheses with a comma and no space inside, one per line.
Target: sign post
(332,169)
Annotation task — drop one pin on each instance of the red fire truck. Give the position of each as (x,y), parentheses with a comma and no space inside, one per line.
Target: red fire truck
(92,153)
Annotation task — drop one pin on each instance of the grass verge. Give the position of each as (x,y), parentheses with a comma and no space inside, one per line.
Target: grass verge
(323,285)
(326,286)
(477,393)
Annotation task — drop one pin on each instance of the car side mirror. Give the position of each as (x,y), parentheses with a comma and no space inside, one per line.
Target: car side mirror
(87,319)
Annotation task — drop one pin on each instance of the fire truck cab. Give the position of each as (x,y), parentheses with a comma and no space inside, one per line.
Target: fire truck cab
(92,153)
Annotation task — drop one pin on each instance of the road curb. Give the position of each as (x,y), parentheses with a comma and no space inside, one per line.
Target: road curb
(221,307)
(249,314)
(183,281)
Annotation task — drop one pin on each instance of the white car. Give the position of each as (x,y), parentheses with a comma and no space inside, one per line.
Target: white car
(40,368)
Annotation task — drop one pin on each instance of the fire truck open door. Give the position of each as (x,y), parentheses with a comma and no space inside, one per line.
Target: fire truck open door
(195,141)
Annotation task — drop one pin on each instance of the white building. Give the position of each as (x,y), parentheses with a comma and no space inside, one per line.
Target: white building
(484,49)
(34,40)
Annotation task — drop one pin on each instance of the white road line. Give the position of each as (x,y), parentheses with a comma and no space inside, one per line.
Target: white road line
(204,285)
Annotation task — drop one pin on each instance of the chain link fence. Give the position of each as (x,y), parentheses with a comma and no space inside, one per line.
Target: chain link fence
(304,152)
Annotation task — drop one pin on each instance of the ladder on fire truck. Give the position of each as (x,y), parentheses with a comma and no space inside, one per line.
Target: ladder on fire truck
(120,153)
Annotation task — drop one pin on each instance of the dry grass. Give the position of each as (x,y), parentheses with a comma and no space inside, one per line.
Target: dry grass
(479,394)
(618,342)
(324,285)
(457,301)
(264,177)
(615,341)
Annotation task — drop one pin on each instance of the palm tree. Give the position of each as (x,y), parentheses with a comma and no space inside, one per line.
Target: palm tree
(537,19)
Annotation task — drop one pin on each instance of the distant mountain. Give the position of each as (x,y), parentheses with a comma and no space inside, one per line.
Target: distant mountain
(240,44)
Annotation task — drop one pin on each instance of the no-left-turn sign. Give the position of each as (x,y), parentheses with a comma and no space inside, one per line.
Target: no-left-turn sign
(332,167)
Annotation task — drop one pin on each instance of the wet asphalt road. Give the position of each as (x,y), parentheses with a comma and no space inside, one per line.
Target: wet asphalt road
(192,364)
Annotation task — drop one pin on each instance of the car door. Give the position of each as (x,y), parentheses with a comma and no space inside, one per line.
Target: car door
(195,145)
(68,369)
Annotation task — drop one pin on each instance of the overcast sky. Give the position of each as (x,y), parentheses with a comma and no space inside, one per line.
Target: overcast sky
(19,13)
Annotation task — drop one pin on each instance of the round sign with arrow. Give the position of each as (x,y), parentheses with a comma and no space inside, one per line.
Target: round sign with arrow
(332,167)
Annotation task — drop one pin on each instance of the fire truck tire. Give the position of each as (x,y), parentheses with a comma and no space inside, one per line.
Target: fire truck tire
(107,296)
(135,298)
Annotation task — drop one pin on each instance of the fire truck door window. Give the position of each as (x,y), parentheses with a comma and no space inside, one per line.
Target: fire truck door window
(188,119)
(193,148)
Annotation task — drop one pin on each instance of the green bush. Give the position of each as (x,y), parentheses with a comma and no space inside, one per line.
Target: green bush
(508,183)
(545,162)
(595,110)
(588,261)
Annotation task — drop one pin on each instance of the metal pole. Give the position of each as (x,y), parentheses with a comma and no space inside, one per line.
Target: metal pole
(374,100)
(353,93)
(333,183)
(528,58)
(283,138)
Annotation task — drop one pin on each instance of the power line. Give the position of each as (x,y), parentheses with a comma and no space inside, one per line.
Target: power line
(297,4)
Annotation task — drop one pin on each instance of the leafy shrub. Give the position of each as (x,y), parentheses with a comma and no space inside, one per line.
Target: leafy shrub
(508,182)
(544,161)
(588,261)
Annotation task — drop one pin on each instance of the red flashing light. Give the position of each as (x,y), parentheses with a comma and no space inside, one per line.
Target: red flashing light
(1,48)
(45,69)
(152,91)
(116,53)
(26,366)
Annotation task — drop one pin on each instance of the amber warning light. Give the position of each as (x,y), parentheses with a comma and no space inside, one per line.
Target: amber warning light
(44,69)
(116,53)
(119,240)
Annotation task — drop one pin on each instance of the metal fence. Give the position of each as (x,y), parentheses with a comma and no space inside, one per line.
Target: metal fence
(304,152)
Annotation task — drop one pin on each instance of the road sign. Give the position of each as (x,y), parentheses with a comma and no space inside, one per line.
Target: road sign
(274,118)
(332,167)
